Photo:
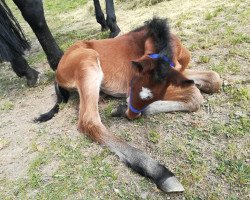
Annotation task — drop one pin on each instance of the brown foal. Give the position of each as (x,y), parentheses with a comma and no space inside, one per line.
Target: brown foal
(140,65)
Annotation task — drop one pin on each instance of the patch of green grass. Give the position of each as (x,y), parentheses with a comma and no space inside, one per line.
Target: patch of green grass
(65,40)
(204,59)
(239,38)
(219,68)
(7,106)
(108,109)
(235,127)
(127,136)
(50,76)
(210,15)
(135,3)
(153,136)
(229,66)
(232,164)
(139,120)
(36,58)
(238,94)
(4,143)
(63,6)
(35,177)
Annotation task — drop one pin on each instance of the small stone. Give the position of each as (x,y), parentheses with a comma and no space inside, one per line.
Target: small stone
(116,190)
(144,195)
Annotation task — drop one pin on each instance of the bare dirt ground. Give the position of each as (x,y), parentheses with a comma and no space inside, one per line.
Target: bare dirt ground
(208,150)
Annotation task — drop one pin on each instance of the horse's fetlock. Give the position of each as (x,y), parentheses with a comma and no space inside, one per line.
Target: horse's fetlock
(196,101)
(217,82)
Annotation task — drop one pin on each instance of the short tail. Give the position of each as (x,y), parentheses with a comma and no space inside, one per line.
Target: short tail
(62,96)
(136,159)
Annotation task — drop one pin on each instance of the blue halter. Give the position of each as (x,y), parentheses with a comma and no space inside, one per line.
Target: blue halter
(133,109)
(165,58)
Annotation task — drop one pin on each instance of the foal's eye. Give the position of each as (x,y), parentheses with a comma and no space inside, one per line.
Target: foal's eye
(145,94)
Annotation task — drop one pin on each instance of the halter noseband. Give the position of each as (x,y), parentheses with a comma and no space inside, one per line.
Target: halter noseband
(133,109)
(153,56)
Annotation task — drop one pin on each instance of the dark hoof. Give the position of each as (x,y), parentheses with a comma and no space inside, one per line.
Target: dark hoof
(32,77)
(119,111)
(114,32)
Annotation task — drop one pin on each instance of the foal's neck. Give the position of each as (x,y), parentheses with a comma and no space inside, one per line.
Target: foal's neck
(143,41)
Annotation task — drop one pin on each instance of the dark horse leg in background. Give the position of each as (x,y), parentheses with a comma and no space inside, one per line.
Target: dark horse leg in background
(22,68)
(13,44)
(33,13)
(111,18)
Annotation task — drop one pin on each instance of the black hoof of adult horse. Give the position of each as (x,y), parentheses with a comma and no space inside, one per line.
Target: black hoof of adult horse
(119,111)
(32,77)
(115,32)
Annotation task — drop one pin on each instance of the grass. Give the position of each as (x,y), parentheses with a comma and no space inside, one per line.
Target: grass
(7,106)
(153,136)
(207,150)
(62,6)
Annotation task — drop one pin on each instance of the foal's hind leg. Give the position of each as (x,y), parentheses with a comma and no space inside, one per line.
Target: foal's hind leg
(88,86)
(186,99)
(206,81)
(111,19)
(32,11)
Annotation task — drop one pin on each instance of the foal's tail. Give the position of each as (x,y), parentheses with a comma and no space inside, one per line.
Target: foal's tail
(135,159)
(62,97)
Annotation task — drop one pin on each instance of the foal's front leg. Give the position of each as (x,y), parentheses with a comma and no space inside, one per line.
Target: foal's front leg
(207,81)
(187,99)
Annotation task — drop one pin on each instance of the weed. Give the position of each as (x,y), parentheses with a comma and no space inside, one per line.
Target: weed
(153,136)
(232,165)
(7,106)
(62,6)
(204,59)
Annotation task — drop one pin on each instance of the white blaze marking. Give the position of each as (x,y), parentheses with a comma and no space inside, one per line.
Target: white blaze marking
(146,93)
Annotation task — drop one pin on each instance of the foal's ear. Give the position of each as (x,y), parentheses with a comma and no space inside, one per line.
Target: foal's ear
(137,66)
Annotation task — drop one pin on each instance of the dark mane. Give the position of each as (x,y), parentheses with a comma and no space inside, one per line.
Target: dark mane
(159,30)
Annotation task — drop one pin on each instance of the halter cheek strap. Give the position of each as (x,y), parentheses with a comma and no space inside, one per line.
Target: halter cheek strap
(165,58)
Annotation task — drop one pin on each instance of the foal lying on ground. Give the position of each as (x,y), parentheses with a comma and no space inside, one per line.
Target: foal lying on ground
(91,66)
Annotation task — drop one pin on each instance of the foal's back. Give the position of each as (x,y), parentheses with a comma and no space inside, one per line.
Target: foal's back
(112,55)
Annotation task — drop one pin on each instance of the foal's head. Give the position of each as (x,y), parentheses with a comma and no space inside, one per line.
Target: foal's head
(154,74)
